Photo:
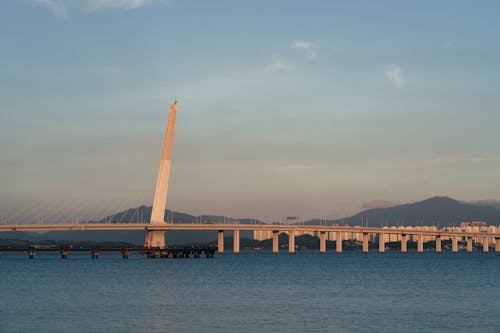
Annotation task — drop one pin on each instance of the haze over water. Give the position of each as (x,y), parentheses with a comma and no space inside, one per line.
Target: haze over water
(252,292)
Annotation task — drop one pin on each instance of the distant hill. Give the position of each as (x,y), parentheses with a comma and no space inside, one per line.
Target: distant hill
(438,211)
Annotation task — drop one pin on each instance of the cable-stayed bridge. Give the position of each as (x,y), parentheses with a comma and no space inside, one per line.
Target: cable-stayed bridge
(157,226)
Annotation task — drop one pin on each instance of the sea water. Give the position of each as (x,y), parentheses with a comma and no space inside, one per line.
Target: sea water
(252,292)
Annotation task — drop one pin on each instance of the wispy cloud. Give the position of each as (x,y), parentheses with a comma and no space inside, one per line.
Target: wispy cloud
(306,47)
(300,168)
(395,76)
(379,204)
(448,44)
(61,7)
(278,64)
(56,7)
(98,5)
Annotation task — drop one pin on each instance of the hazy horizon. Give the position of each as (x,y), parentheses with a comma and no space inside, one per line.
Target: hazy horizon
(312,109)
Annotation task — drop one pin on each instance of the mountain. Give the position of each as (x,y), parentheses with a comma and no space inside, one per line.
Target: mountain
(488,203)
(436,211)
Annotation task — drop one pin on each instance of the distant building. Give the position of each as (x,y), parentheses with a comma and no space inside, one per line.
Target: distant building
(479,224)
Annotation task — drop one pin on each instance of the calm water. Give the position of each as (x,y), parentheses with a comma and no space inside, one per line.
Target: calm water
(252,292)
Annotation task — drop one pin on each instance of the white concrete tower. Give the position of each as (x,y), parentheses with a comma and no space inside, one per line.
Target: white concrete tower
(157,238)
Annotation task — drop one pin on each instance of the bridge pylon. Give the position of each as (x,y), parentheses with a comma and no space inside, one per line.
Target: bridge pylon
(155,238)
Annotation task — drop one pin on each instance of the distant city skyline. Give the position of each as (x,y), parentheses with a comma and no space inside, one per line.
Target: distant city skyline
(312,109)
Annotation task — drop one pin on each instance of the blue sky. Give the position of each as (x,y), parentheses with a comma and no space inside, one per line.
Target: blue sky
(308,108)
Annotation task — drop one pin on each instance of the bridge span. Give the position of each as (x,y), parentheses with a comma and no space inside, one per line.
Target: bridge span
(276,229)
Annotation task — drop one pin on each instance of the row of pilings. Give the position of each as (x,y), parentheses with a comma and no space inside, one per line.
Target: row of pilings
(174,252)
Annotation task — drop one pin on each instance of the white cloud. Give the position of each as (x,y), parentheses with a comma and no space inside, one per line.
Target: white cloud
(306,47)
(395,76)
(60,7)
(278,64)
(57,7)
(98,5)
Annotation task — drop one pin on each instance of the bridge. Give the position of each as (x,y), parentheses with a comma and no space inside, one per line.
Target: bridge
(156,228)
(276,229)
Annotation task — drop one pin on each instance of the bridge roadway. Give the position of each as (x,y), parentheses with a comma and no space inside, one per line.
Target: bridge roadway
(276,229)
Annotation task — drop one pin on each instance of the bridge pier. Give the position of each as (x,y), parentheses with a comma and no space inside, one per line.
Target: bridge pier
(438,243)
(338,242)
(486,244)
(420,243)
(381,242)
(291,241)
(469,244)
(497,244)
(322,242)
(365,242)
(155,238)
(220,241)
(404,243)
(236,241)
(276,241)
(454,244)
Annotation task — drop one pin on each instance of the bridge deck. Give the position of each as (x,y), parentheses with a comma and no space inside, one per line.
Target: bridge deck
(232,227)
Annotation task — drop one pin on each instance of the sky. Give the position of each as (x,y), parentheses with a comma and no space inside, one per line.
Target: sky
(286,108)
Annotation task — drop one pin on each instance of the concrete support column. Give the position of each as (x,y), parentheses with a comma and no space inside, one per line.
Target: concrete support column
(236,241)
(404,243)
(338,242)
(497,244)
(438,243)
(365,242)
(454,244)
(381,242)
(322,242)
(420,243)
(486,244)
(220,241)
(156,239)
(469,244)
(291,241)
(276,244)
